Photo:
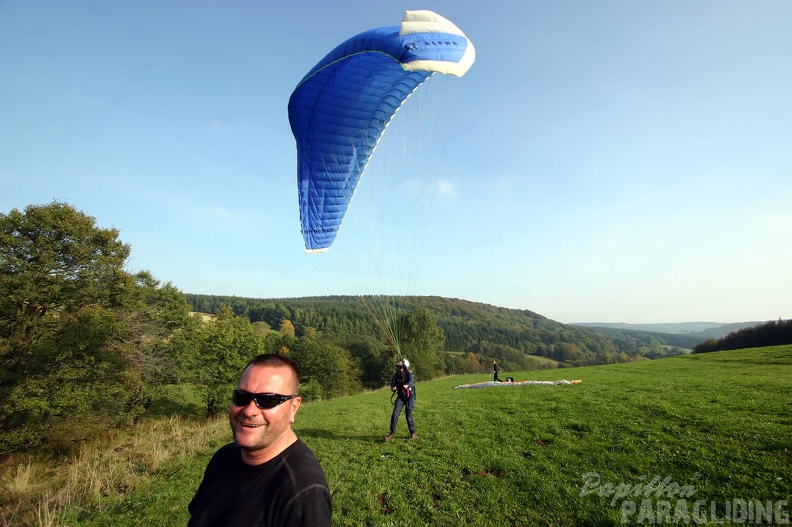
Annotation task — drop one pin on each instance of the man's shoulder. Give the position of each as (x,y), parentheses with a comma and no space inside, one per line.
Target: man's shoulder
(307,496)
(298,453)
(226,454)
(302,463)
(228,449)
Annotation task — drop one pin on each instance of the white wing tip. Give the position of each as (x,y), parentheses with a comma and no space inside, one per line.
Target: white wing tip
(425,21)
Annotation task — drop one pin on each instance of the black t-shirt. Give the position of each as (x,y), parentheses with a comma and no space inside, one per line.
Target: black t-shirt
(289,491)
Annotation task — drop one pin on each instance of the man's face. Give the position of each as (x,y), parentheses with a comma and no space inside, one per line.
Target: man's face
(254,428)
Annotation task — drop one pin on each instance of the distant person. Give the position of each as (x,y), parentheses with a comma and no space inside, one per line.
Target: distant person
(403,384)
(495,371)
(267,476)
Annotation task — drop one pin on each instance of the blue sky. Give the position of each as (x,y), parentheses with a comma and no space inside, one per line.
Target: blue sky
(601,161)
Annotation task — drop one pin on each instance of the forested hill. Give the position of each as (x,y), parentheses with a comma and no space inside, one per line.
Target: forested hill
(510,335)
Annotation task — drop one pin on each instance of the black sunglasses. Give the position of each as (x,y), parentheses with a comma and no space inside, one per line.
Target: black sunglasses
(263,400)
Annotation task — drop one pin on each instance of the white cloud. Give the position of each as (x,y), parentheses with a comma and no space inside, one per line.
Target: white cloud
(446,188)
(442,187)
(221,213)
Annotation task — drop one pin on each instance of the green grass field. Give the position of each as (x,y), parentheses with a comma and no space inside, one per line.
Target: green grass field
(715,428)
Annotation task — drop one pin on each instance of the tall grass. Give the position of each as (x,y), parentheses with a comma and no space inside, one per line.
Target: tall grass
(103,473)
(719,425)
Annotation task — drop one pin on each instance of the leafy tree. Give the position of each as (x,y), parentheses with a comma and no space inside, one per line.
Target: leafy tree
(566,351)
(373,358)
(311,391)
(83,343)
(160,331)
(280,342)
(261,328)
(331,366)
(70,383)
(185,346)
(422,344)
(467,363)
(286,328)
(227,343)
(54,261)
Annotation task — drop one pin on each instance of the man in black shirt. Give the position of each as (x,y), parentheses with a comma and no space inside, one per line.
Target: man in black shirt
(267,477)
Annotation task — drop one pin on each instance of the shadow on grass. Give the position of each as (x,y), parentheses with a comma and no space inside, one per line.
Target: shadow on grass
(167,408)
(177,400)
(316,433)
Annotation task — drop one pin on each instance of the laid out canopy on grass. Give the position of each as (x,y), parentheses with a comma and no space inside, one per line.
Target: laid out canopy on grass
(496,384)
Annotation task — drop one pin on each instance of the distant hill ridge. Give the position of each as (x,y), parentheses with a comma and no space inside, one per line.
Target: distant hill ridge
(674,327)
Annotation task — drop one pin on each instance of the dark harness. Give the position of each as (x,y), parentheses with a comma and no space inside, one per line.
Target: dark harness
(404,393)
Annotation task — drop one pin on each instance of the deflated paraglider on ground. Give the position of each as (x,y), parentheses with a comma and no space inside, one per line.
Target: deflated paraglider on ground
(340,109)
(493,384)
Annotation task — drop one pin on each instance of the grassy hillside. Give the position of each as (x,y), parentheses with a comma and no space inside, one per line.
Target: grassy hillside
(718,426)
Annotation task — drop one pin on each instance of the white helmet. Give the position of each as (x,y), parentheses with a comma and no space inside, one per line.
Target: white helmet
(406,363)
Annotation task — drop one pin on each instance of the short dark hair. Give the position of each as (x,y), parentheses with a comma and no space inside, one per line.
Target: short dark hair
(276,361)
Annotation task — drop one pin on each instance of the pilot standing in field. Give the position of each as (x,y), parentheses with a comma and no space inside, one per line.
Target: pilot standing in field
(403,383)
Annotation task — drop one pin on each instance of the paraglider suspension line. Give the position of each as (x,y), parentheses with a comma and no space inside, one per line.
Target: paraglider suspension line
(388,334)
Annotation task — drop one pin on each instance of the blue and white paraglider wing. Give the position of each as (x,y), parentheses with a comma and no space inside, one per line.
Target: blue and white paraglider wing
(340,109)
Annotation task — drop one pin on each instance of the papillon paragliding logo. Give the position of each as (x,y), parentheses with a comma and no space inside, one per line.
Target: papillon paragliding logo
(340,110)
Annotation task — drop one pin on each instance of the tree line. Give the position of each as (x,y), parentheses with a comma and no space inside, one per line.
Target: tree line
(772,333)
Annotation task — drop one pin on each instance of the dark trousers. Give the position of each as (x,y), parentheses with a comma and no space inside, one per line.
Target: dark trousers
(408,411)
